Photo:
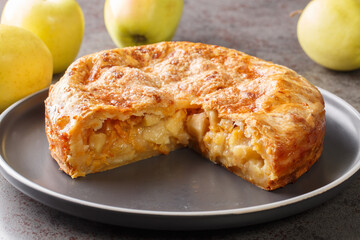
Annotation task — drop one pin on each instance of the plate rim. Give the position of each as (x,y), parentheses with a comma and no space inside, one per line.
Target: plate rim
(238,211)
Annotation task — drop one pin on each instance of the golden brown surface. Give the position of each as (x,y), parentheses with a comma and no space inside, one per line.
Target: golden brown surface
(278,112)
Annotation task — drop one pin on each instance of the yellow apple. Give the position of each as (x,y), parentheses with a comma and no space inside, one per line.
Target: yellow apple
(329,33)
(59,23)
(139,22)
(25,64)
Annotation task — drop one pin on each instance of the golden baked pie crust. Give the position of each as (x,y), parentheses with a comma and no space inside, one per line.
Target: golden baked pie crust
(278,112)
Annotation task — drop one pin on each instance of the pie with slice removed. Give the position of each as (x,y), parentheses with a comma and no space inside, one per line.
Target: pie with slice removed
(262,121)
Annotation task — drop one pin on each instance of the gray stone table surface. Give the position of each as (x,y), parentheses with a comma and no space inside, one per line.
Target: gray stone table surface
(259,27)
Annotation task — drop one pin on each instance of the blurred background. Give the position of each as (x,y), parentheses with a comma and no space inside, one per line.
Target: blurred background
(263,28)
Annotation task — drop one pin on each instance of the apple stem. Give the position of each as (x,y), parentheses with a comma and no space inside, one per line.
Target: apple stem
(296,12)
(139,39)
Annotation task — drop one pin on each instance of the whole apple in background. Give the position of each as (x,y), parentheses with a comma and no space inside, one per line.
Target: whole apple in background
(59,23)
(329,33)
(25,64)
(139,22)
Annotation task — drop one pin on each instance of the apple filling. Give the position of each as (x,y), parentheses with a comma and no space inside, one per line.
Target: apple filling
(223,142)
(112,142)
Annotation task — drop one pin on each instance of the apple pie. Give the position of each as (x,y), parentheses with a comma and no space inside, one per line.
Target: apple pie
(262,121)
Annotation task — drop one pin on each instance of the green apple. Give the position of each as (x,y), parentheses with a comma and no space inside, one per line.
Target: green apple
(139,22)
(329,33)
(25,64)
(59,23)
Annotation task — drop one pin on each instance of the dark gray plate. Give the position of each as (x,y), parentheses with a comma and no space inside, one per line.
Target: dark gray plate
(179,191)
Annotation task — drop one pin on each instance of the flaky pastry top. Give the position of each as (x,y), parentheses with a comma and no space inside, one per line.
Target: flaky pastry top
(272,101)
